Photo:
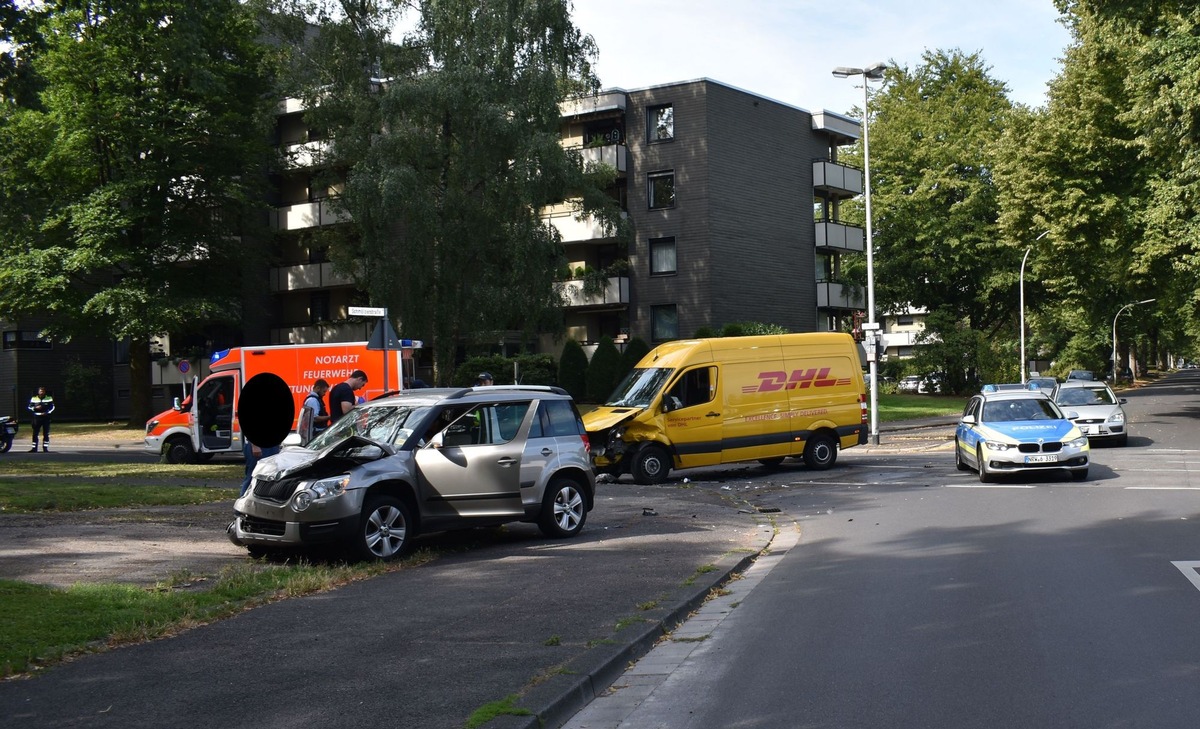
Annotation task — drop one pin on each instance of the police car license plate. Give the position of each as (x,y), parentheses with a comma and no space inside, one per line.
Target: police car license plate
(1042,459)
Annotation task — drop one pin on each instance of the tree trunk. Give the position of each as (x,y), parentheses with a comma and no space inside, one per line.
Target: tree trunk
(140,408)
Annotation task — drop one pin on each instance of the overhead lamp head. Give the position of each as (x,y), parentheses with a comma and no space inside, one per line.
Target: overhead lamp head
(846,71)
(875,70)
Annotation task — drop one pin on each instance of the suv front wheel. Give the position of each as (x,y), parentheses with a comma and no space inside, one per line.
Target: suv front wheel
(564,509)
(384,531)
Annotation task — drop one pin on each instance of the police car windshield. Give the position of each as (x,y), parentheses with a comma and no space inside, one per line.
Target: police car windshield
(1028,408)
(392,424)
(639,387)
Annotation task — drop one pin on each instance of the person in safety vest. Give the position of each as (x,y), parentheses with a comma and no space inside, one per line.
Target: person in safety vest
(315,401)
(41,405)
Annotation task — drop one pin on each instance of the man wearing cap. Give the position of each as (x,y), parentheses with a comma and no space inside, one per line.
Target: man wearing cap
(341,397)
(484,379)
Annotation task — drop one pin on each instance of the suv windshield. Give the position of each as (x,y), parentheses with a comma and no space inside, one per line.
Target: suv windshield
(639,387)
(392,424)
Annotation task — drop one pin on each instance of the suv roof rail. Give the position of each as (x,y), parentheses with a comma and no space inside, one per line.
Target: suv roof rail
(520,388)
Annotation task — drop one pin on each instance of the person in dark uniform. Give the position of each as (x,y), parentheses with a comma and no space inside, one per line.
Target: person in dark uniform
(341,397)
(41,405)
(315,401)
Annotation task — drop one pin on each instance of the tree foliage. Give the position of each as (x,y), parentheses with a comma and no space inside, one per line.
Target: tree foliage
(449,155)
(572,369)
(125,183)
(604,370)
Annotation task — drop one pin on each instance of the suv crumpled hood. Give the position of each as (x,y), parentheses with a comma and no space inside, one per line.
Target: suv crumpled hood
(293,460)
(603,418)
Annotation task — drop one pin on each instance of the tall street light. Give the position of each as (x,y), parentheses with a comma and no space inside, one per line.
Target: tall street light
(1114,353)
(1025,362)
(874,72)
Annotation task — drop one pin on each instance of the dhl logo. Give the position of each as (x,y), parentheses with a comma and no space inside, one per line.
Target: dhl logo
(812,377)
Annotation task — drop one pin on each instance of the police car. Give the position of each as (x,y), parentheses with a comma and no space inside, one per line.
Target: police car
(1006,431)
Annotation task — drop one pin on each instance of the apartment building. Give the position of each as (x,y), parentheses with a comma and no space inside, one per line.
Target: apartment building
(734,202)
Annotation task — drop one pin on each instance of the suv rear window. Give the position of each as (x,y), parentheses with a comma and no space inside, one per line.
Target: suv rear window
(555,418)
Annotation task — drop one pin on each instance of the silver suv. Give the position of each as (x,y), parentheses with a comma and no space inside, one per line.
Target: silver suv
(422,461)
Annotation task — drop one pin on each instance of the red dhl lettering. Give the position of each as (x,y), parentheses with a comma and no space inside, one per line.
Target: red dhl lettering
(803,378)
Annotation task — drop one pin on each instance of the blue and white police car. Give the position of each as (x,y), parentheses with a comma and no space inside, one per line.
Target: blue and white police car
(1005,431)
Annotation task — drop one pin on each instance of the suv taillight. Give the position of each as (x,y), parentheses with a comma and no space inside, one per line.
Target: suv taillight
(587,444)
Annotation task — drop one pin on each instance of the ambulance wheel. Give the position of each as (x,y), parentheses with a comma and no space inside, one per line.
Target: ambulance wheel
(820,452)
(651,465)
(5,445)
(178,450)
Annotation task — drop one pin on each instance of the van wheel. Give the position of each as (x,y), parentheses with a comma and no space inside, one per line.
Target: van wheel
(564,509)
(178,450)
(384,530)
(820,452)
(771,463)
(651,465)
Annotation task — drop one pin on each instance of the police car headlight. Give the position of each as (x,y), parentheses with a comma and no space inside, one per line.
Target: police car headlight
(1079,442)
(1117,417)
(312,491)
(996,445)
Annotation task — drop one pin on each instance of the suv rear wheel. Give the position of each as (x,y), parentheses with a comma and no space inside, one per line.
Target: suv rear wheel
(384,531)
(564,509)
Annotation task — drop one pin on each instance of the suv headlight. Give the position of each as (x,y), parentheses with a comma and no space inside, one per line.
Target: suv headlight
(996,445)
(326,488)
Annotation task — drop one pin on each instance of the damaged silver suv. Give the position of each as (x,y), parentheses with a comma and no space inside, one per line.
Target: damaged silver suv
(424,460)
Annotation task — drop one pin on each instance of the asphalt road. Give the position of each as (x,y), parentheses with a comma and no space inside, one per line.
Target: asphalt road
(916,596)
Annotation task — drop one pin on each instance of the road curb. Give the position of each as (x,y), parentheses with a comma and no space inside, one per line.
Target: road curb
(556,698)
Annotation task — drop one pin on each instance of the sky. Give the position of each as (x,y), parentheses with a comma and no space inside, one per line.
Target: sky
(786,49)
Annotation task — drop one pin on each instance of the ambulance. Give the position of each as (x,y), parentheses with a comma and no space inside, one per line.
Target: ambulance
(706,402)
(203,424)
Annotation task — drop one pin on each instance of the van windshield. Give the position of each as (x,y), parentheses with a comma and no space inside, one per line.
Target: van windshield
(639,387)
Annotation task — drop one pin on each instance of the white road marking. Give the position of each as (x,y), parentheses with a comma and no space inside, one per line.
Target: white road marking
(1162,488)
(1189,571)
(989,486)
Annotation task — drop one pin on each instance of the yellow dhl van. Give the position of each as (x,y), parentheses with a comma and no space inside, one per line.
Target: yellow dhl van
(704,402)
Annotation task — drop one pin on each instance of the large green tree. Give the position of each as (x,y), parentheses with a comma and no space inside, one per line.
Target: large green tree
(448,143)
(933,136)
(127,183)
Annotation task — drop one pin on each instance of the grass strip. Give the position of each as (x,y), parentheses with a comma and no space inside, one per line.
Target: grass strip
(40,495)
(29,468)
(41,625)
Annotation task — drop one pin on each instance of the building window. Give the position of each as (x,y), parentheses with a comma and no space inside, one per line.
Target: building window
(904,320)
(318,307)
(661,186)
(664,322)
(18,339)
(662,256)
(608,131)
(662,123)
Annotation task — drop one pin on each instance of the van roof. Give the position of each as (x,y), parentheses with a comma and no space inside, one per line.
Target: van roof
(694,351)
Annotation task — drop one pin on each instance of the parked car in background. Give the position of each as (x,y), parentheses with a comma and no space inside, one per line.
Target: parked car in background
(1044,383)
(1018,430)
(932,383)
(1101,416)
(909,383)
(424,460)
(1081,375)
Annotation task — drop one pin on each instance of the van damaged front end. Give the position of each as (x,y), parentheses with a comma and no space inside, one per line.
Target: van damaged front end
(608,430)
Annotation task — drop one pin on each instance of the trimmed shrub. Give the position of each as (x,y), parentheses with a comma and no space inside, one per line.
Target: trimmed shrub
(603,370)
(635,350)
(573,370)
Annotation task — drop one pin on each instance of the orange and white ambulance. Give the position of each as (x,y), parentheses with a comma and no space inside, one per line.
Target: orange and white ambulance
(203,424)
(704,402)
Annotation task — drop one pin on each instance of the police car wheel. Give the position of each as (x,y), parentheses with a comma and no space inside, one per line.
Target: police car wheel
(651,465)
(958,459)
(984,476)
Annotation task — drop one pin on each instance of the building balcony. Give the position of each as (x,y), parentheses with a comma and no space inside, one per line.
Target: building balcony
(306,215)
(613,155)
(576,229)
(840,237)
(839,296)
(305,155)
(900,339)
(306,276)
(615,295)
(842,129)
(325,332)
(836,179)
(607,102)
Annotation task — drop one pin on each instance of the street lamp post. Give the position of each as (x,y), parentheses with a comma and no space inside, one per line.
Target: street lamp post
(874,72)
(1118,316)
(1025,362)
